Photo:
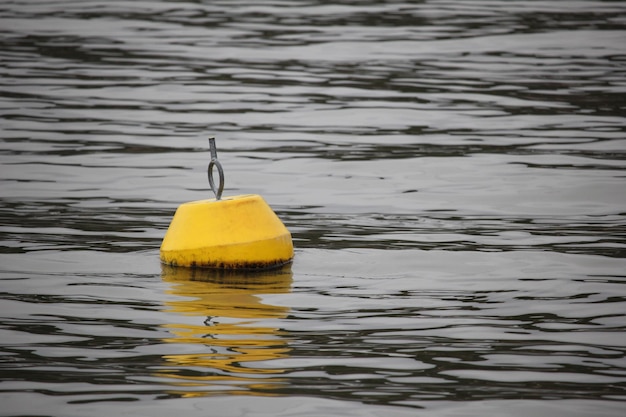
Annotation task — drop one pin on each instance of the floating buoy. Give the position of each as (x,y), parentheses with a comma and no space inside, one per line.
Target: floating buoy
(238,232)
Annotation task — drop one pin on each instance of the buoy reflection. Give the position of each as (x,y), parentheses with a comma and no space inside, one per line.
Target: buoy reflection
(223,341)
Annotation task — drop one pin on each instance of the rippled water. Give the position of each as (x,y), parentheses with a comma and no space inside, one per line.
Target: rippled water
(452,173)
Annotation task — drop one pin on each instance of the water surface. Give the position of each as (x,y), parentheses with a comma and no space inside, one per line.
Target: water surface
(452,174)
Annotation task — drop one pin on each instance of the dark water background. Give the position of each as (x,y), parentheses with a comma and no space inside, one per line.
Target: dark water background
(452,172)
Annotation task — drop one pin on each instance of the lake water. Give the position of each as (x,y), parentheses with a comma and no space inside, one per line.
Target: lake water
(452,173)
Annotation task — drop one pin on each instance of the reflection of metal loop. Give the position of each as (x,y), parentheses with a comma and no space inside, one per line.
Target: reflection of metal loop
(220,171)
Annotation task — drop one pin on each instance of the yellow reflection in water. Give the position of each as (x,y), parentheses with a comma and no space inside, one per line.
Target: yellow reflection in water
(223,339)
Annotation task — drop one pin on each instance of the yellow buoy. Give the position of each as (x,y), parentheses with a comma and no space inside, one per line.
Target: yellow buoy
(239,232)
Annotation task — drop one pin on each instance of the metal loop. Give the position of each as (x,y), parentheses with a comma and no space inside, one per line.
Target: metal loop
(220,171)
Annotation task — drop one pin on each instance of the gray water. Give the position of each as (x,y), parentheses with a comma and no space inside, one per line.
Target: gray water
(452,173)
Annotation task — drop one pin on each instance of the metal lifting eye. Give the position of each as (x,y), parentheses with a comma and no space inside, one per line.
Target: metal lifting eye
(220,171)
